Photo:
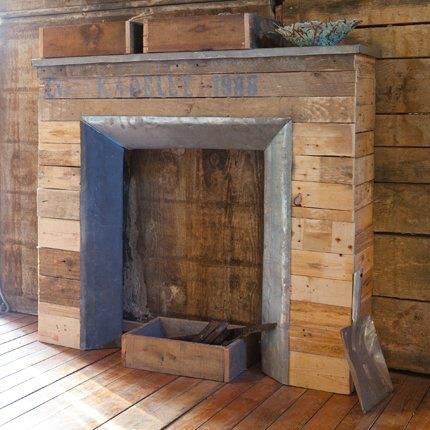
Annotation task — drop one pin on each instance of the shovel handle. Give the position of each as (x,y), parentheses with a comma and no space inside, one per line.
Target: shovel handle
(356,296)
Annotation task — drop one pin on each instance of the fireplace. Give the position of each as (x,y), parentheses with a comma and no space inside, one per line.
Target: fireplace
(329,95)
(104,140)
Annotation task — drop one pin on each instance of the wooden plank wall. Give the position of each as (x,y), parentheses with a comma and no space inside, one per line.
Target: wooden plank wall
(18,117)
(400,30)
(332,189)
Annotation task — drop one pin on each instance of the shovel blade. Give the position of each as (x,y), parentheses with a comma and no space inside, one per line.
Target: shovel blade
(367,364)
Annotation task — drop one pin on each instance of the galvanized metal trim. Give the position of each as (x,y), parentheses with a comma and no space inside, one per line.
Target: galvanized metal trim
(208,55)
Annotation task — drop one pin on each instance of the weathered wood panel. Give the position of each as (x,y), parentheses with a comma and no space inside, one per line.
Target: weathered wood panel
(405,165)
(61,204)
(403,327)
(59,263)
(371,12)
(403,130)
(402,208)
(402,269)
(301,109)
(59,291)
(402,85)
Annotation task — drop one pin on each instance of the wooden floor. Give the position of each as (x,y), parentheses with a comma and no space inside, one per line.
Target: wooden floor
(51,387)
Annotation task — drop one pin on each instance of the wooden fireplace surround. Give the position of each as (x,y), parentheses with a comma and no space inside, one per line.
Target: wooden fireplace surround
(328,93)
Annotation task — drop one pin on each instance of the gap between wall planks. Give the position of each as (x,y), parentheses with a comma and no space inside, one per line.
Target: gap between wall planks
(402,166)
(332,235)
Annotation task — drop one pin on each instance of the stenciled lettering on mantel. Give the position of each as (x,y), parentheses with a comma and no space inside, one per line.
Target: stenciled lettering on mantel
(163,86)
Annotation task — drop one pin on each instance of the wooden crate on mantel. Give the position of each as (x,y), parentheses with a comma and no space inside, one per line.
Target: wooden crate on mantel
(102,38)
(209,32)
(151,347)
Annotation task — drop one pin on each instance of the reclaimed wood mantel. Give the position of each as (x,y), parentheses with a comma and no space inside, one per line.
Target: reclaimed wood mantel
(329,94)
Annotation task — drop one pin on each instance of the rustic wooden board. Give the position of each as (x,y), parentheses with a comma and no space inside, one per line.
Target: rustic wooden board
(400,208)
(402,130)
(300,109)
(206,32)
(59,291)
(103,38)
(59,234)
(59,263)
(371,12)
(402,165)
(62,178)
(59,155)
(394,41)
(402,85)
(402,327)
(64,132)
(321,373)
(293,84)
(402,269)
(58,204)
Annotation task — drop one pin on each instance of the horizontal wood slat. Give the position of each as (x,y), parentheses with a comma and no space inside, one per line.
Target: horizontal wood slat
(301,109)
(63,178)
(402,269)
(401,208)
(59,234)
(293,84)
(60,155)
(59,263)
(58,204)
(375,12)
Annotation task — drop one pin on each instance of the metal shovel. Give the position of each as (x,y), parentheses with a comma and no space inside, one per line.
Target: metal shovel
(363,352)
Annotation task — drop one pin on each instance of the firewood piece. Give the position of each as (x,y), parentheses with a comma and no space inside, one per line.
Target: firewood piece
(222,326)
(200,337)
(241,332)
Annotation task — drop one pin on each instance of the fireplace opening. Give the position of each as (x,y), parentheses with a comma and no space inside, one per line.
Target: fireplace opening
(193,234)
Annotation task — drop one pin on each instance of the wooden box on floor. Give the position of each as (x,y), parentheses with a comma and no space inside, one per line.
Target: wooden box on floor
(149,348)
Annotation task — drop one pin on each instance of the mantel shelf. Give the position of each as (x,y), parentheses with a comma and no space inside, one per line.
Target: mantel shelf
(207,55)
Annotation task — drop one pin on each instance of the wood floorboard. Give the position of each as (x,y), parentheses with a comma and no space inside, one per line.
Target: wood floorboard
(50,387)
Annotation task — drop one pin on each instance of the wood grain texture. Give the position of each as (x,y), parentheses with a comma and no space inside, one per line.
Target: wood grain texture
(62,178)
(402,165)
(403,130)
(402,269)
(59,291)
(60,132)
(300,109)
(104,38)
(371,12)
(58,204)
(401,208)
(293,84)
(402,327)
(59,234)
(394,41)
(59,155)
(59,263)
(401,85)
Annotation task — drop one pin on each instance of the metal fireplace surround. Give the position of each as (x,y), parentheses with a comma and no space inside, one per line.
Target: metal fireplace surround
(104,142)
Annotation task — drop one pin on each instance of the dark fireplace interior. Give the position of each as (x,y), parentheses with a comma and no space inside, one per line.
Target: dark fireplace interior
(194,234)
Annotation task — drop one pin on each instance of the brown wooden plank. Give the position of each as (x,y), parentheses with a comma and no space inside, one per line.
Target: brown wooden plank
(61,204)
(421,418)
(162,407)
(405,165)
(403,404)
(18,343)
(10,356)
(63,178)
(268,411)
(301,411)
(51,154)
(36,405)
(402,85)
(403,329)
(239,408)
(293,84)
(401,267)
(194,33)
(59,263)
(103,38)
(332,412)
(59,234)
(17,323)
(371,12)
(301,109)
(402,130)
(107,398)
(9,317)
(401,208)
(17,333)
(59,291)
(205,410)
(394,41)
(60,132)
